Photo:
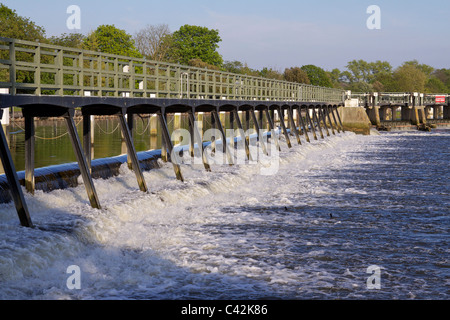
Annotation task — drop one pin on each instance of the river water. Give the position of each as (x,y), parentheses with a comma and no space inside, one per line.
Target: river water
(334,211)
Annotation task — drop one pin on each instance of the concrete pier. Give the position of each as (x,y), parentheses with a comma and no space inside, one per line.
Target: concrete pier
(355,119)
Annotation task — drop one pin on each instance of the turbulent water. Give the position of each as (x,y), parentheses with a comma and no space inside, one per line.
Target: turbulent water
(334,208)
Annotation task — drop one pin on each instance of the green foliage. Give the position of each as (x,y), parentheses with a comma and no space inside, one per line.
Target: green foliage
(444,76)
(426,69)
(14,26)
(384,81)
(269,73)
(240,68)
(200,64)
(72,40)
(194,42)
(362,71)
(296,74)
(409,78)
(335,76)
(434,85)
(109,39)
(378,76)
(233,66)
(360,86)
(317,76)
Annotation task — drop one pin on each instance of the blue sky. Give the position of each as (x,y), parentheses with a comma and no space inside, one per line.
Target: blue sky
(276,34)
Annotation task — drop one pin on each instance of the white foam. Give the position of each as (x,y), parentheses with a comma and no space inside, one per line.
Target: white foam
(148,244)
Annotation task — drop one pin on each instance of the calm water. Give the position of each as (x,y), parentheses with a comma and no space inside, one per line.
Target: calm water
(334,208)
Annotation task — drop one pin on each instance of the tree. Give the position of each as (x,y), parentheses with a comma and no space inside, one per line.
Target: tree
(409,78)
(269,73)
(378,86)
(109,39)
(242,68)
(194,42)
(434,85)
(423,67)
(363,71)
(443,75)
(154,42)
(14,26)
(73,40)
(296,74)
(335,76)
(359,70)
(385,82)
(233,66)
(200,64)
(360,86)
(317,76)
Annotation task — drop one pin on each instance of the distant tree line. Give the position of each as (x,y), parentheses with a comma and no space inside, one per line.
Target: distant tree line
(197,46)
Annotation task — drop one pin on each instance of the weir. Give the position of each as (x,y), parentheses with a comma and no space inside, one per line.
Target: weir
(88,169)
(414,110)
(51,81)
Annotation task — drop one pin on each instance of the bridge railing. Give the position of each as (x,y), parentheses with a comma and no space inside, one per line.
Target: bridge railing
(401,98)
(44,69)
(436,98)
(393,98)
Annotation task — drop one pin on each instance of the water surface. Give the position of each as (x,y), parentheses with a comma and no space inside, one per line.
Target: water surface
(334,208)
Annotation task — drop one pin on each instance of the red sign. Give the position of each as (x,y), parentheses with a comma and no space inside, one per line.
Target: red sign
(440,99)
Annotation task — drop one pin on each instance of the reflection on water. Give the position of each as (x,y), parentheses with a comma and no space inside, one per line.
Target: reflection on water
(52,144)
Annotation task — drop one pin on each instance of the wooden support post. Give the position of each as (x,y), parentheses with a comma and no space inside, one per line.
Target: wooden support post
(247,125)
(283,127)
(232,142)
(317,119)
(311,125)
(29,152)
(242,134)
(130,123)
(260,115)
(303,124)
(446,110)
(322,115)
(258,131)
(131,152)
(82,163)
(213,126)
(225,148)
(339,118)
(335,121)
(247,120)
(87,142)
(13,181)
(164,144)
(198,137)
(192,136)
(293,127)
(327,113)
(168,141)
(383,113)
(272,129)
